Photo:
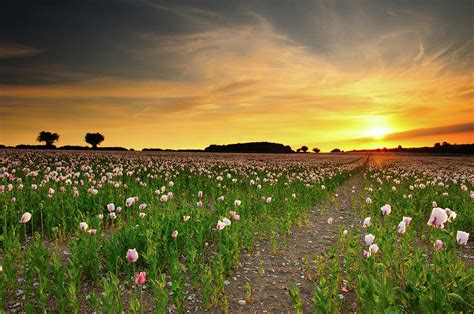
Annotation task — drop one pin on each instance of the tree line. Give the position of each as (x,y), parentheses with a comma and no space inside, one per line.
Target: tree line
(95,139)
(253,147)
(259,147)
(437,148)
(50,138)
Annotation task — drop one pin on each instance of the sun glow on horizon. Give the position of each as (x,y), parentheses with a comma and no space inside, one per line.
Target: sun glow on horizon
(378,126)
(378,133)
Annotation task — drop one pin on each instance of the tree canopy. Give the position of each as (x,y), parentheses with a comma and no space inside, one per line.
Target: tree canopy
(48,137)
(303,149)
(94,139)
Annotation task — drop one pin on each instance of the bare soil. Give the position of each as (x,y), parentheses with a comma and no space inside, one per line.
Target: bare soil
(270,274)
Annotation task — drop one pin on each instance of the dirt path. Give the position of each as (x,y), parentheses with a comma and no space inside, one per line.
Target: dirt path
(269,290)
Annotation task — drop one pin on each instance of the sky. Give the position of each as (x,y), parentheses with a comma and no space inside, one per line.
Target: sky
(187,74)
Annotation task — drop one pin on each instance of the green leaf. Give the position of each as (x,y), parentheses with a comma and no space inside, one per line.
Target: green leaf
(459,299)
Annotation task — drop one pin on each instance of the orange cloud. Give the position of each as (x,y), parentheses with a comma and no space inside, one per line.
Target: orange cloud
(443,130)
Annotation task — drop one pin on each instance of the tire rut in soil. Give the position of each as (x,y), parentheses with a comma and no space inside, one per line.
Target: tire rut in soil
(287,267)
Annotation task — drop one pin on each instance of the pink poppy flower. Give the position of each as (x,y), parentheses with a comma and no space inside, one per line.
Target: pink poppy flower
(140,278)
(369,239)
(132,255)
(220,225)
(25,218)
(438,217)
(129,201)
(373,248)
(401,227)
(386,209)
(407,220)
(367,222)
(83,226)
(111,207)
(462,237)
(438,245)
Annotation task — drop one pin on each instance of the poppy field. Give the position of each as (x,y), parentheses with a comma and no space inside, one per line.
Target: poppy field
(410,250)
(112,232)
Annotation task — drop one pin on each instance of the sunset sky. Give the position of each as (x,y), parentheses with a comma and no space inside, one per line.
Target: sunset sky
(186,74)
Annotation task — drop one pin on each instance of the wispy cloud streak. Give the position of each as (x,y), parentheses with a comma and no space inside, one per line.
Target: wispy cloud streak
(449,129)
(13,50)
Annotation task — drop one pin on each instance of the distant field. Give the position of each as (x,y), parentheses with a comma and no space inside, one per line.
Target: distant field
(79,228)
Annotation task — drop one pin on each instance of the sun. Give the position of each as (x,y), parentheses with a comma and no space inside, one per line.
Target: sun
(378,126)
(378,133)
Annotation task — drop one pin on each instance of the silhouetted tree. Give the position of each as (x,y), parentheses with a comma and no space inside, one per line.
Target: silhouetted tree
(316,150)
(94,139)
(304,149)
(48,137)
(336,150)
(437,145)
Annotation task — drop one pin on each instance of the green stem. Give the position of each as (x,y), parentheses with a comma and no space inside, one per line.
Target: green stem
(176,246)
(141,299)
(32,223)
(134,277)
(5,225)
(41,216)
